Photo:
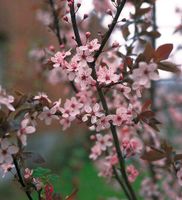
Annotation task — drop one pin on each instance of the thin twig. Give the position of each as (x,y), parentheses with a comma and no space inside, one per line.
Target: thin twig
(56,22)
(111,28)
(20,179)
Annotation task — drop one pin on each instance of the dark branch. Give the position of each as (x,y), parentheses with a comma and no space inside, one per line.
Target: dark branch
(74,25)
(20,179)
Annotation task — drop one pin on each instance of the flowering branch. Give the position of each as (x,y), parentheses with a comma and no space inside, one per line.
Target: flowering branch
(57,27)
(99,90)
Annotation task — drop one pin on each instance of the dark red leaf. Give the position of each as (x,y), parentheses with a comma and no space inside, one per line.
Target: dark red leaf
(163,52)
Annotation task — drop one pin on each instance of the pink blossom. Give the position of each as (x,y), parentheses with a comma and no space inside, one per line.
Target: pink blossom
(123,116)
(107,75)
(6,100)
(25,129)
(59,59)
(92,112)
(48,114)
(66,122)
(95,152)
(104,141)
(38,183)
(102,123)
(72,68)
(84,56)
(6,151)
(131,147)
(72,107)
(6,167)
(145,73)
(124,90)
(85,96)
(112,159)
(84,78)
(41,97)
(132,173)
(28,173)
(93,45)
(105,168)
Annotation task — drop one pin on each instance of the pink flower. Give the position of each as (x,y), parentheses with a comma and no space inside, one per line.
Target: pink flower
(6,100)
(102,123)
(124,90)
(48,114)
(132,173)
(92,112)
(42,97)
(28,173)
(103,141)
(145,73)
(112,159)
(57,104)
(84,55)
(6,167)
(66,122)
(38,183)
(72,68)
(71,108)
(95,152)
(107,75)
(105,168)
(84,78)
(25,130)
(59,59)
(131,147)
(6,151)
(123,116)
(93,45)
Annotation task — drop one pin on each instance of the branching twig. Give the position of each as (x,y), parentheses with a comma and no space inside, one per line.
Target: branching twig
(57,27)
(100,92)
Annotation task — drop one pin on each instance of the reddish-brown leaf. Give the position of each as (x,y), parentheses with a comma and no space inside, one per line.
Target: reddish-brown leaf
(149,52)
(163,52)
(146,105)
(146,114)
(169,67)
(153,155)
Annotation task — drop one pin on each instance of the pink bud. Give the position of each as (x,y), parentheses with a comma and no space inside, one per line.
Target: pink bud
(65,18)
(51,48)
(87,34)
(78,5)
(115,45)
(92,137)
(109,12)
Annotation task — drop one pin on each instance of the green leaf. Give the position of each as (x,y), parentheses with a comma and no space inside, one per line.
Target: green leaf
(41,172)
